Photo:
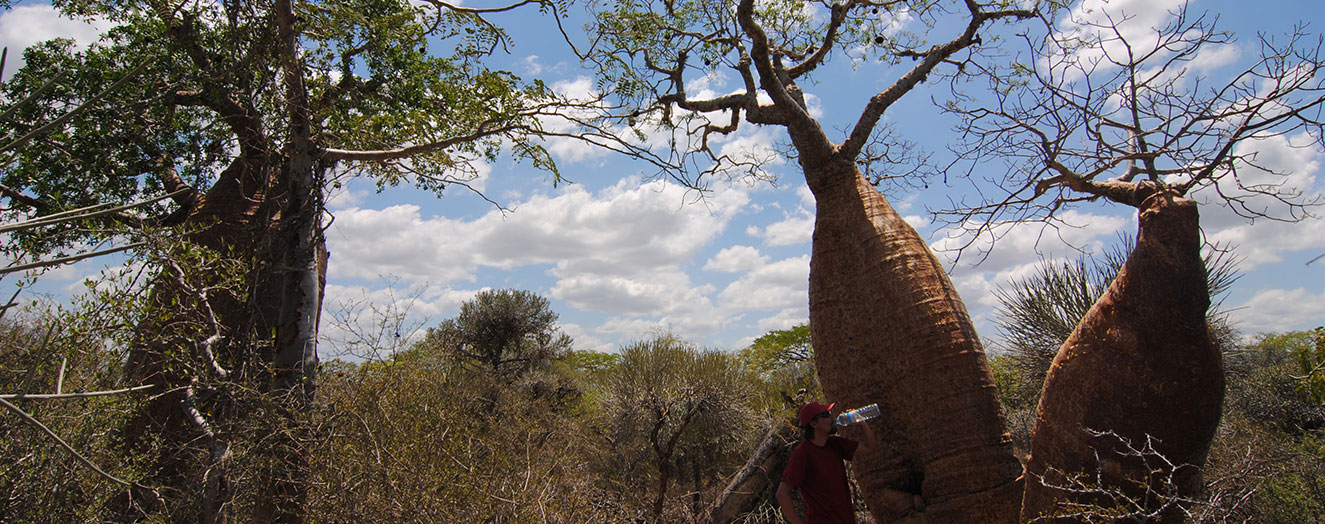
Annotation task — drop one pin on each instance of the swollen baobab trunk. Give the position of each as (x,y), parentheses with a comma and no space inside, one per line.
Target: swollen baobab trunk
(888,327)
(1133,398)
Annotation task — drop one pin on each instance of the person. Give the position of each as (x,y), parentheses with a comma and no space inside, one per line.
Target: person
(817,469)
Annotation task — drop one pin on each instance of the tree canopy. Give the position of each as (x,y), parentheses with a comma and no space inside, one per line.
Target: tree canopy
(506,332)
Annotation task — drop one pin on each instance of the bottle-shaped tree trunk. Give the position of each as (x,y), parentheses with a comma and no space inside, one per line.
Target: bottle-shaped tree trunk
(889,327)
(1134,395)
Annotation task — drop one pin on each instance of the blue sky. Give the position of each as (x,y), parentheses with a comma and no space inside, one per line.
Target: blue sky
(622,255)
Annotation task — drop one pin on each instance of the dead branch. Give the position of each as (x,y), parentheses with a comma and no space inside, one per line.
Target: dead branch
(65,445)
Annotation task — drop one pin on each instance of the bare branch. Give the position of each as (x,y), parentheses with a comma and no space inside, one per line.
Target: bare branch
(59,121)
(85,394)
(930,60)
(84,213)
(70,449)
(68,259)
(1098,103)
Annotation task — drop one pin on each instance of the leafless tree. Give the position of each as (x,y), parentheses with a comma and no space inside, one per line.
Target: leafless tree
(1099,111)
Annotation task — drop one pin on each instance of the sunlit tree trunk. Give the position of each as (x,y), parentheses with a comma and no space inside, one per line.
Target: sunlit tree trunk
(889,327)
(1134,395)
(757,481)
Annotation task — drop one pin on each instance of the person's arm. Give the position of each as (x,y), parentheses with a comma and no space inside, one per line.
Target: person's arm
(871,442)
(785,502)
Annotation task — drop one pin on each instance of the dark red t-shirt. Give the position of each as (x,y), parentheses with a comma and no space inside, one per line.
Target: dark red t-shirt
(821,476)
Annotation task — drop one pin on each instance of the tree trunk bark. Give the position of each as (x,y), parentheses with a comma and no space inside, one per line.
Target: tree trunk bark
(1139,374)
(889,328)
(758,479)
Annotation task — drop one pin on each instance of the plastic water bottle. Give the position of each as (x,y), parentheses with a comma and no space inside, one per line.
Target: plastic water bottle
(848,418)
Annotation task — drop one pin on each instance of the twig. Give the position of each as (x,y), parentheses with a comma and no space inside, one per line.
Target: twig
(85,394)
(206,346)
(59,380)
(84,213)
(70,449)
(19,142)
(68,259)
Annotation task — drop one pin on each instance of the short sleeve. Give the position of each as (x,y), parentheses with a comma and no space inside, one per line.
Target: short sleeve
(794,474)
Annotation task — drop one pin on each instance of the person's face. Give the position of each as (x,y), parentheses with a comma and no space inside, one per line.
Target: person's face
(822,423)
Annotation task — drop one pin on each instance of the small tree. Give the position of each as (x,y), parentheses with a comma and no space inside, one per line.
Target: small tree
(504,332)
(1311,363)
(673,413)
(784,362)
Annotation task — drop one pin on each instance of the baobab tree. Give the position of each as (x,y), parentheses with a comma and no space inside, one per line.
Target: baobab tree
(248,114)
(1096,111)
(887,325)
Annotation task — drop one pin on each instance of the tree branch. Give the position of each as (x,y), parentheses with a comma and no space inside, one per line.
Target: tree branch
(85,394)
(931,59)
(70,449)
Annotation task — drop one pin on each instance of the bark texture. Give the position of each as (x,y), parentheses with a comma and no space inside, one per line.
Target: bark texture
(758,479)
(1140,373)
(247,212)
(888,327)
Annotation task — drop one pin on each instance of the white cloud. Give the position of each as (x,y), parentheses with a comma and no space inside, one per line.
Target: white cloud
(691,320)
(814,106)
(24,25)
(1215,57)
(1284,166)
(359,322)
(735,259)
(585,339)
(753,145)
(1267,241)
(785,319)
(1290,166)
(779,285)
(806,196)
(619,251)
(567,149)
(1017,253)
(1280,310)
(398,240)
(1013,244)
(791,230)
(916,221)
(649,294)
(1136,23)
(531,65)
(625,229)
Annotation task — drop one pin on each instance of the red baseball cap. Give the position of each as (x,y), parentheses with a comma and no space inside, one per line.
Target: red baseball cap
(811,410)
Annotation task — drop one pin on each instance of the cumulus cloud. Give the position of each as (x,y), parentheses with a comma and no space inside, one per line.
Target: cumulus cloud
(778,285)
(581,90)
(586,339)
(1289,167)
(784,319)
(791,230)
(647,294)
(24,25)
(735,259)
(1267,241)
(1136,24)
(619,250)
(628,228)
(1281,310)
(1013,244)
(1015,250)
(690,321)
(398,240)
